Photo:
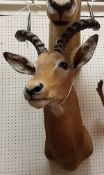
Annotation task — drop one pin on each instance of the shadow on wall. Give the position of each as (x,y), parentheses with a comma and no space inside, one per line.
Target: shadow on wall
(54,167)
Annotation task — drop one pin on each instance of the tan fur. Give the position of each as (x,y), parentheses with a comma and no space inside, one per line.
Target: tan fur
(67,140)
(54,80)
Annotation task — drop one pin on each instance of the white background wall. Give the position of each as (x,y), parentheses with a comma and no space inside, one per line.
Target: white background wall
(21,126)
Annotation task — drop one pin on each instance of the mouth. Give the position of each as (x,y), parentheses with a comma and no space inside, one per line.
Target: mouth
(39,103)
(38,100)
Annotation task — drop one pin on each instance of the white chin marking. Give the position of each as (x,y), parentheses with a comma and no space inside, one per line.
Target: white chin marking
(61,2)
(38,104)
(57,110)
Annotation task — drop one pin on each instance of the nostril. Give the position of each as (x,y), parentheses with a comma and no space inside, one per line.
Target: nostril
(29,92)
(38,88)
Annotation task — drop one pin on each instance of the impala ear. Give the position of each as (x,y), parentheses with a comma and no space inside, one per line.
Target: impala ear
(85,52)
(19,63)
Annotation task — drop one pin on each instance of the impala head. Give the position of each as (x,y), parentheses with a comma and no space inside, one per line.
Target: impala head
(62,11)
(52,75)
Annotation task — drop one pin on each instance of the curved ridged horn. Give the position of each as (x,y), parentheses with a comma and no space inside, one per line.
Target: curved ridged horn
(23,35)
(71,31)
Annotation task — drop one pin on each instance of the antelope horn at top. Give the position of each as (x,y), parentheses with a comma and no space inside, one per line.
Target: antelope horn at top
(23,35)
(71,31)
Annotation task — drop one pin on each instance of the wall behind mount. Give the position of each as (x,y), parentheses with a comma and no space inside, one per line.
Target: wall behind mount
(22,127)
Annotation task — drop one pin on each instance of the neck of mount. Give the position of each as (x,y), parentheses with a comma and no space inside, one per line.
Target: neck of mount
(59,109)
(69,111)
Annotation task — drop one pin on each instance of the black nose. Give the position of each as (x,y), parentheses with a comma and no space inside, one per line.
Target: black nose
(36,90)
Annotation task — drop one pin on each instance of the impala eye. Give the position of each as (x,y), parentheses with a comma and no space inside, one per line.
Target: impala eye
(63,65)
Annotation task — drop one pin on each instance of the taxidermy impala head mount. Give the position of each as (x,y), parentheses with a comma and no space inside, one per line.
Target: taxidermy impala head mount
(52,74)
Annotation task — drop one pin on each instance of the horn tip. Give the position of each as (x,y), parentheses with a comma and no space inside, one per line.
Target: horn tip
(97,26)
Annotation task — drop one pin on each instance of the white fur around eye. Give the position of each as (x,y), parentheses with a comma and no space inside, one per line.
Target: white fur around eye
(62,73)
(57,63)
(58,67)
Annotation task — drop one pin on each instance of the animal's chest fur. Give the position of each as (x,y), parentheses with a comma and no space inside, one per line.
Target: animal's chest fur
(64,130)
(63,138)
(62,145)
